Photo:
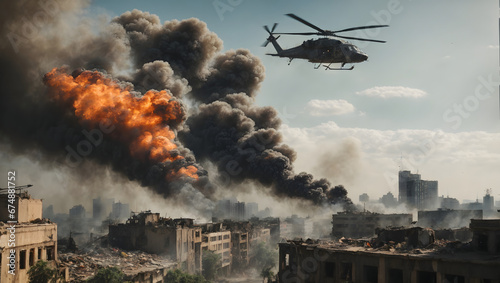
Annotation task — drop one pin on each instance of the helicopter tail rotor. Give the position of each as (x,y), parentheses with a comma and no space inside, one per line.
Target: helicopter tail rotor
(271,37)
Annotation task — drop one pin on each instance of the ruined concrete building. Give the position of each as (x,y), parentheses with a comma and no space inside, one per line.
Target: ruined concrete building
(398,255)
(178,239)
(217,239)
(240,246)
(486,235)
(363,224)
(23,243)
(447,218)
(247,234)
(296,227)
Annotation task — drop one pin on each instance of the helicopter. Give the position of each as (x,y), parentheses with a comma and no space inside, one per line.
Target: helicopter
(324,51)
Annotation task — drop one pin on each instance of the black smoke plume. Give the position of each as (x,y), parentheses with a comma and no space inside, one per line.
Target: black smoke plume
(223,127)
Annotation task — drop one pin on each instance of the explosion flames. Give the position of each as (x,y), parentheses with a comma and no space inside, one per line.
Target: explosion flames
(144,123)
(155,139)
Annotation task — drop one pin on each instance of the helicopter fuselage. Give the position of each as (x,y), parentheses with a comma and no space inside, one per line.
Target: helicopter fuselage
(324,50)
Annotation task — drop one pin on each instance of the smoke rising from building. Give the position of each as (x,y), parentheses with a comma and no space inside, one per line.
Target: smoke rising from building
(62,117)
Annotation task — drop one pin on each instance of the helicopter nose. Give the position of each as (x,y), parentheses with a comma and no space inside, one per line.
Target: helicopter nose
(361,57)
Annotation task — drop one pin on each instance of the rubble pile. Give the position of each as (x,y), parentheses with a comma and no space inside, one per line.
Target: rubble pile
(85,262)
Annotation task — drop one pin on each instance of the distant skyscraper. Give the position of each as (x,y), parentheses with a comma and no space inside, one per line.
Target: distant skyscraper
(77,211)
(120,212)
(252,208)
(417,193)
(388,200)
(239,210)
(101,208)
(488,201)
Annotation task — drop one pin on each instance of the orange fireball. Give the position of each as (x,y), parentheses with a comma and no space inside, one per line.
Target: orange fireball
(143,123)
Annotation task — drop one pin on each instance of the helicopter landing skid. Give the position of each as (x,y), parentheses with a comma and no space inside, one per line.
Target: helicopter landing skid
(327,67)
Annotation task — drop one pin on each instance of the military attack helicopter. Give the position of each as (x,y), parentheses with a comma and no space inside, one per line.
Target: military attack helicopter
(324,51)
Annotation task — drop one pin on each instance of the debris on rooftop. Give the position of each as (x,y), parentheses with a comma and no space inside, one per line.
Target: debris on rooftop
(85,262)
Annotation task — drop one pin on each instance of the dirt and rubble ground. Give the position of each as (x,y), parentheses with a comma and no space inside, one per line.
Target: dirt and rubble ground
(88,259)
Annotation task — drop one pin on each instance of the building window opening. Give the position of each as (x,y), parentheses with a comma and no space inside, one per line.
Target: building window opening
(454,278)
(50,253)
(370,273)
(346,271)
(287,259)
(426,277)
(39,253)
(395,275)
(482,242)
(32,257)
(329,269)
(22,259)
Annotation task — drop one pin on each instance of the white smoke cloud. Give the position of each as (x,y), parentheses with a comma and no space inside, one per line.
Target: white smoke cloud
(323,108)
(462,163)
(392,91)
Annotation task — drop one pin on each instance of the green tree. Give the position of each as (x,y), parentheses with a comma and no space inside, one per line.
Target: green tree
(263,256)
(177,276)
(267,273)
(211,264)
(108,275)
(42,273)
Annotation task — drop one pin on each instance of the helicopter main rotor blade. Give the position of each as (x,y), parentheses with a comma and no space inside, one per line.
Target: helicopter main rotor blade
(267,29)
(305,22)
(362,27)
(274,27)
(362,39)
(299,33)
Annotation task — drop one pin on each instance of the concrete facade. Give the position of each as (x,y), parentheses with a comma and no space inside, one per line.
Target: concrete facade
(447,218)
(240,245)
(27,209)
(363,224)
(301,262)
(25,242)
(486,235)
(215,238)
(177,238)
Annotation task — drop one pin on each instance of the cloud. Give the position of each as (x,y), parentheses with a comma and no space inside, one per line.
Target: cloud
(392,91)
(463,163)
(493,46)
(322,108)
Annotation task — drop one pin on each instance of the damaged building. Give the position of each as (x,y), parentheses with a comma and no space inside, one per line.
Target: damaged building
(363,224)
(178,239)
(447,218)
(396,255)
(217,239)
(27,240)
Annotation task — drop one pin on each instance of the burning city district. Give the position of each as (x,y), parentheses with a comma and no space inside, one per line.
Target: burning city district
(161,107)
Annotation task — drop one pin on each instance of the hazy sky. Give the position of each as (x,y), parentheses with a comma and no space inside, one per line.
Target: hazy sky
(426,101)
